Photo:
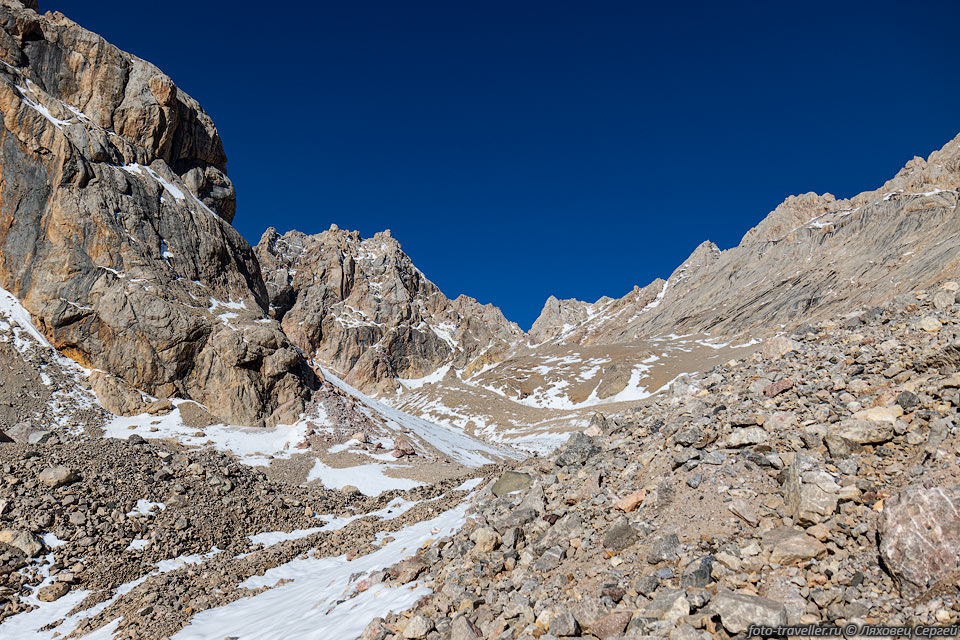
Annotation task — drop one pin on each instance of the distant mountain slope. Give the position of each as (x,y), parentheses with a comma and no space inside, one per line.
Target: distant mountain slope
(362,308)
(812,257)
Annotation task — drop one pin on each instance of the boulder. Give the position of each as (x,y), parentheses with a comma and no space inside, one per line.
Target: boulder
(578,450)
(790,546)
(779,346)
(810,493)
(27,433)
(611,624)
(23,540)
(510,482)
(669,605)
(737,611)
(417,627)
(564,625)
(485,539)
(116,395)
(195,416)
(463,629)
(862,431)
(53,592)
(58,476)
(920,536)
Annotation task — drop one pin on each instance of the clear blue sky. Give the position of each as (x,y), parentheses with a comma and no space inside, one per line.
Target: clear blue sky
(522,149)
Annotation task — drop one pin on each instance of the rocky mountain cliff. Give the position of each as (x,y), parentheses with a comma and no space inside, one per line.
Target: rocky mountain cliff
(115,230)
(361,307)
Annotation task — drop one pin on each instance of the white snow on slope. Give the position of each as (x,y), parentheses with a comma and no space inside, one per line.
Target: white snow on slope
(309,607)
(255,446)
(369,478)
(452,442)
(39,108)
(416,383)
(28,625)
(394,509)
(18,319)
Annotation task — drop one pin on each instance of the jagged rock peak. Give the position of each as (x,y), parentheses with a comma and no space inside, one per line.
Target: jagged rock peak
(360,306)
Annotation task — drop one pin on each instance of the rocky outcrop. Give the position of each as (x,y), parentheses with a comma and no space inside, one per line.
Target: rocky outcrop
(361,307)
(114,226)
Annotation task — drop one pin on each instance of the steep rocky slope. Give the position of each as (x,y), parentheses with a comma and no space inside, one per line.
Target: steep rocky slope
(114,226)
(813,483)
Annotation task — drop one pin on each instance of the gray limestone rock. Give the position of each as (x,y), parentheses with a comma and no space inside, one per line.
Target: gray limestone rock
(811,494)
(738,611)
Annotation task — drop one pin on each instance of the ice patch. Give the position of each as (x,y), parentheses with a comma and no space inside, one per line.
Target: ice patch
(453,443)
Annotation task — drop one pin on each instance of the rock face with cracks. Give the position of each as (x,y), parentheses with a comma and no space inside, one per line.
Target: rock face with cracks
(115,232)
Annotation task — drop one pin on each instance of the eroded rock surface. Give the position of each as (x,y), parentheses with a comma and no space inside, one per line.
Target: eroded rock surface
(115,211)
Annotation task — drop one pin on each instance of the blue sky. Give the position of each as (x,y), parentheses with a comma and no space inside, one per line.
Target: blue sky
(524,149)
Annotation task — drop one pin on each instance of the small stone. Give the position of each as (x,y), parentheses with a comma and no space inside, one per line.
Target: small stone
(743,510)
(620,535)
(550,559)
(59,476)
(664,548)
(418,627)
(510,482)
(564,625)
(630,502)
(669,605)
(930,324)
(698,573)
(908,400)
(778,387)
(53,592)
(745,437)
